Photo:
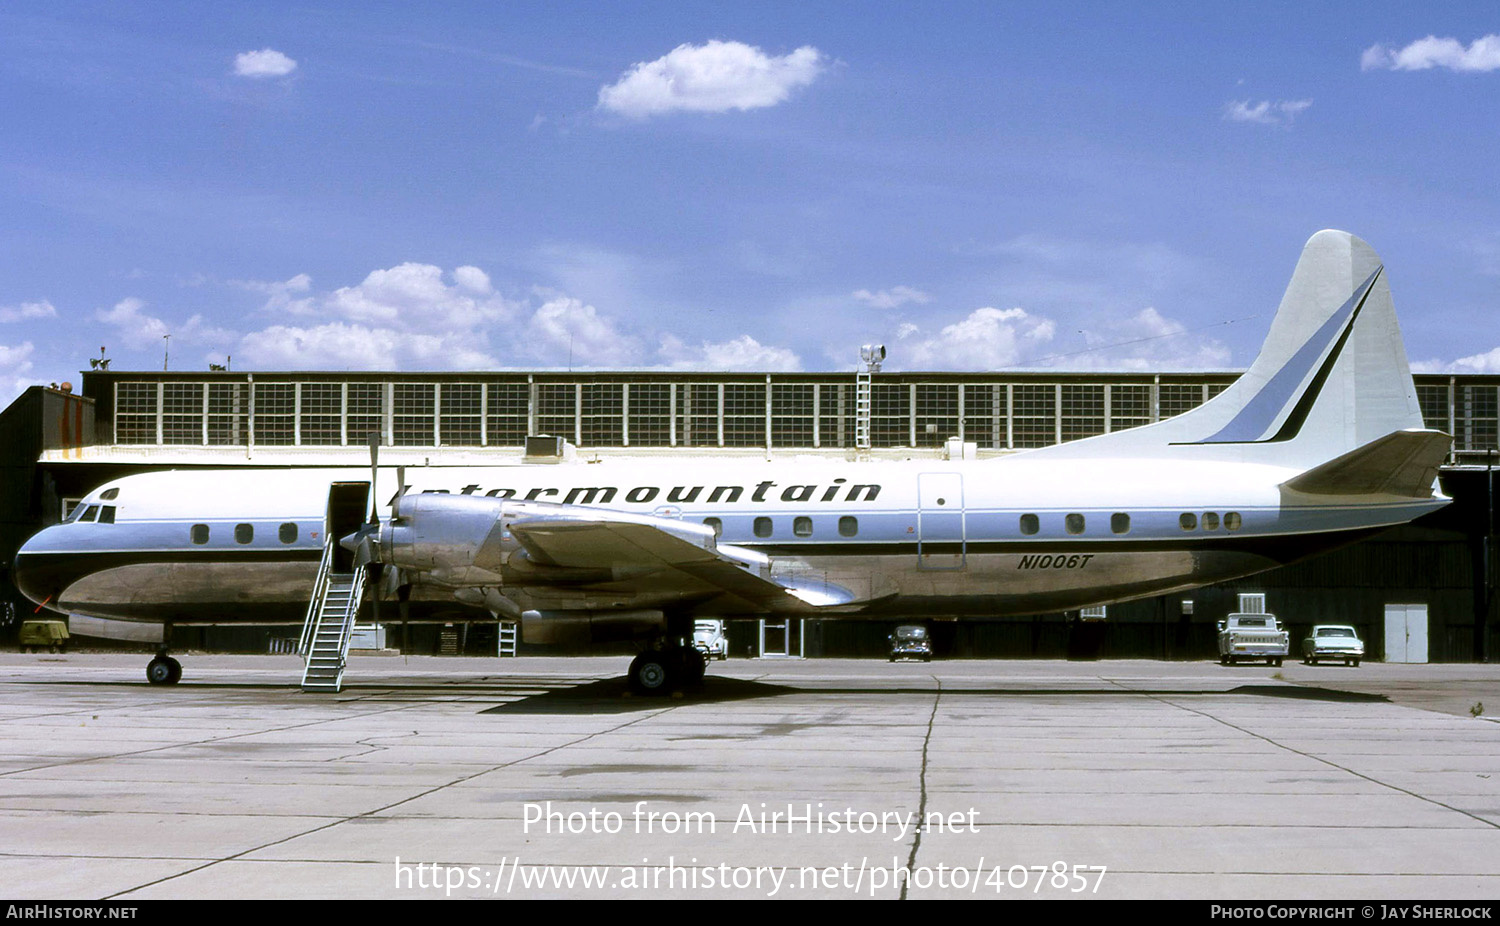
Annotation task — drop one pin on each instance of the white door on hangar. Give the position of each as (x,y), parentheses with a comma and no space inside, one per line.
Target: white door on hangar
(1406,633)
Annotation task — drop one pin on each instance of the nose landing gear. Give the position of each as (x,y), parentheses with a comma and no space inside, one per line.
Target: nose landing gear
(163,670)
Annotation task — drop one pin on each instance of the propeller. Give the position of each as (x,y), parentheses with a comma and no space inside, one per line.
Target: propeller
(364,543)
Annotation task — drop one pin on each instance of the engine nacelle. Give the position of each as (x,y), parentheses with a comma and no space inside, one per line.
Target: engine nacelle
(451,540)
(580,627)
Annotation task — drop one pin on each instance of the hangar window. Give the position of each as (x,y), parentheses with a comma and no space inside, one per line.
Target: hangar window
(287,533)
(1030,524)
(716,524)
(199,533)
(244,533)
(802,527)
(110,495)
(762,527)
(1210,520)
(107,514)
(1231,520)
(90,513)
(1189,521)
(1074,523)
(1119,522)
(848,526)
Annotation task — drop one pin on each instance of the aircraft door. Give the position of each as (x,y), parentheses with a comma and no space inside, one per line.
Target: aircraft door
(348,507)
(940,521)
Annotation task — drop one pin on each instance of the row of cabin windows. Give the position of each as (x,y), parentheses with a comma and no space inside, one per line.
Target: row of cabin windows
(245,533)
(1119,522)
(801,526)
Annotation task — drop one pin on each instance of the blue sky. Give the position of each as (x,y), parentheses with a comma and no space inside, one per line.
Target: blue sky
(730,186)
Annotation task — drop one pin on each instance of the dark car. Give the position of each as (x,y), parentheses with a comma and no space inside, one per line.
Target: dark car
(911,641)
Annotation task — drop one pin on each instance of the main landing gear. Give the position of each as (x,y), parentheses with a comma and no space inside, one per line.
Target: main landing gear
(163,670)
(666,667)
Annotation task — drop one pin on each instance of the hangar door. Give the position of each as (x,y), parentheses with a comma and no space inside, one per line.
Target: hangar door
(940,521)
(1406,633)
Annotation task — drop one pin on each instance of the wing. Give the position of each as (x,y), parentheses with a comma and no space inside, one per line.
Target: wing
(672,558)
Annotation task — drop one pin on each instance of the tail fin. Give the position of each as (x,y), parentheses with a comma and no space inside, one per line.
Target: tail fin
(1332,376)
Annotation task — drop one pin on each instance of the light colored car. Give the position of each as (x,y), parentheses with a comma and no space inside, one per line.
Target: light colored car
(709,639)
(1251,636)
(1333,641)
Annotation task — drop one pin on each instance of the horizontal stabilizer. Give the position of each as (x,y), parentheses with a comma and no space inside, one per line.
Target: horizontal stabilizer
(1403,463)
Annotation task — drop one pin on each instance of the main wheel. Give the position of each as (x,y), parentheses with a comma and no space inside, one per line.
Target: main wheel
(651,672)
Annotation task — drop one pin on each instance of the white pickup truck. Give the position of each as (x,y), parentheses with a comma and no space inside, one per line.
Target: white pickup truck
(1252,636)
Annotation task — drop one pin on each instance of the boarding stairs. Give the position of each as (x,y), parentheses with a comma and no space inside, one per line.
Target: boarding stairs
(329,625)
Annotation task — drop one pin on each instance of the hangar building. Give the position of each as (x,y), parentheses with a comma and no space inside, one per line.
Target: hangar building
(1433,578)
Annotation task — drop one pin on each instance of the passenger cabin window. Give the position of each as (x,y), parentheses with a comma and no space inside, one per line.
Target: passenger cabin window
(1074,523)
(1210,521)
(1030,524)
(199,533)
(244,533)
(1231,520)
(1119,523)
(848,526)
(287,533)
(1189,521)
(762,527)
(716,524)
(802,527)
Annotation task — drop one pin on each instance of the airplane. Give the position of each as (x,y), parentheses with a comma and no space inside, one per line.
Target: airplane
(1319,444)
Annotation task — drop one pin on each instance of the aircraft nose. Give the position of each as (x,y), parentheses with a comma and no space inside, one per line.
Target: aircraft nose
(28,571)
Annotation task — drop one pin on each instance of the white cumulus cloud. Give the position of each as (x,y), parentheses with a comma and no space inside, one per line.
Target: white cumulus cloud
(1281,112)
(1488,362)
(140,331)
(1482,54)
(713,77)
(892,298)
(27,310)
(268,62)
(986,339)
(741,353)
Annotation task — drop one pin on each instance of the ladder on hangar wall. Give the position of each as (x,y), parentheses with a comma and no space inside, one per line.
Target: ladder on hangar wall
(329,625)
(508,638)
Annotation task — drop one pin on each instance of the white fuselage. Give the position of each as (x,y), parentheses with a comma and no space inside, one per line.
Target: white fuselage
(994,537)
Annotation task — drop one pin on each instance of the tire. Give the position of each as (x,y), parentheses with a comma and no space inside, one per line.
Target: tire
(159,671)
(1276,662)
(651,673)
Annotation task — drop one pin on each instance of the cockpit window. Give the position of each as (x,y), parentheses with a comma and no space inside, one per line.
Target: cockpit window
(109,495)
(107,514)
(90,513)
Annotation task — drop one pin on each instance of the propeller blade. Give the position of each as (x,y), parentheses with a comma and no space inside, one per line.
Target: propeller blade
(374,471)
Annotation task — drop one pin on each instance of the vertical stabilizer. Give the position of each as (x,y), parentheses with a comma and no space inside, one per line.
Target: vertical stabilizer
(1332,375)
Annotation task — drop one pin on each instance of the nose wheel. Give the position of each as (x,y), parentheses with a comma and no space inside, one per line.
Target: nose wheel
(164,670)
